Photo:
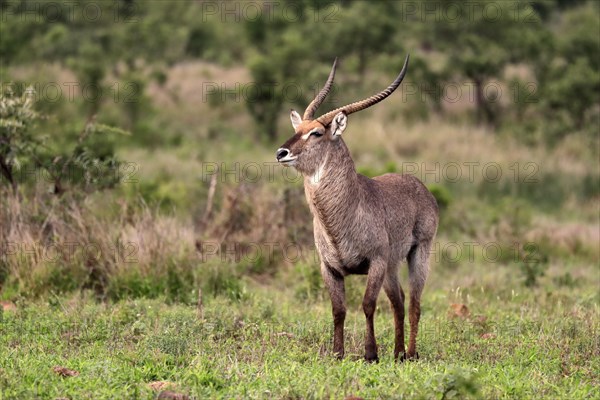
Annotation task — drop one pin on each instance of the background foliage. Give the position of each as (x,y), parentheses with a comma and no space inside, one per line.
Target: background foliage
(131,133)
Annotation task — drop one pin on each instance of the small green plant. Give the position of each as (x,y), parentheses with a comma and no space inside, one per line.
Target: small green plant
(222,279)
(310,281)
(566,280)
(532,264)
(455,383)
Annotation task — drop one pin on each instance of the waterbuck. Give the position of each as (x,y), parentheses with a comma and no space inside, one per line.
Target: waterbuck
(362,225)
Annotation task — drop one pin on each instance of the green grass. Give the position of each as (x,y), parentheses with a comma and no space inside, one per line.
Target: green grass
(277,344)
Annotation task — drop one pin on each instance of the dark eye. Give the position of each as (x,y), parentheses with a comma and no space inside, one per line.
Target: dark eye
(316,133)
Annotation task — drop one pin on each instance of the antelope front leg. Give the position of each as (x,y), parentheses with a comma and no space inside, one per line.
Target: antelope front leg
(335,285)
(374,281)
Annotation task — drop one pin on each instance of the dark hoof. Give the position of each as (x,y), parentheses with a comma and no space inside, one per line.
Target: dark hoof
(372,359)
(405,357)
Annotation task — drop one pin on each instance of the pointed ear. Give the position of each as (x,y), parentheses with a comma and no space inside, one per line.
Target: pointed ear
(338,125)
(296,119)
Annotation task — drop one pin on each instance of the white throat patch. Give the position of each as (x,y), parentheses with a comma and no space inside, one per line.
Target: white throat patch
(318,176)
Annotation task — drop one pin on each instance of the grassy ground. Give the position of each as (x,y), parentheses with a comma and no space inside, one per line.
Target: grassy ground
(269,343)
(527,330)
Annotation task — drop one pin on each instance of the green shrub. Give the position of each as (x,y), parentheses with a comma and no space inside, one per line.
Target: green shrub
(132,284)
(221,279)
(180,283)
(309,283)
(175,282)
(455,383)
(55,277)
(532,264)
(88,163)
(442,195)
(566,280)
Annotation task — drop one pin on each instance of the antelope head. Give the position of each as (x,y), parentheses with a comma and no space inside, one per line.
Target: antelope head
(313,140)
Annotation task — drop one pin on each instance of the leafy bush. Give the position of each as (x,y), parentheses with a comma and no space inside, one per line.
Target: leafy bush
(532,264)
(22,149)
(221,279)
(310,284)
(442,195)
(17,143)
(455,383)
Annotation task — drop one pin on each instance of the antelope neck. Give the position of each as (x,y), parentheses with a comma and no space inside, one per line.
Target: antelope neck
(336,195)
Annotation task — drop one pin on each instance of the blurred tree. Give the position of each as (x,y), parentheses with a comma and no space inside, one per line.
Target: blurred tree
(90,72)
(266,100)
(134,41)
(281,55)
(96,39)
(482,42)
(272,75)
(364,29)
(570,84)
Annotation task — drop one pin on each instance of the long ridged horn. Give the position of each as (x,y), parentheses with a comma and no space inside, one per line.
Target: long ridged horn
(326,119)
(312,107)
